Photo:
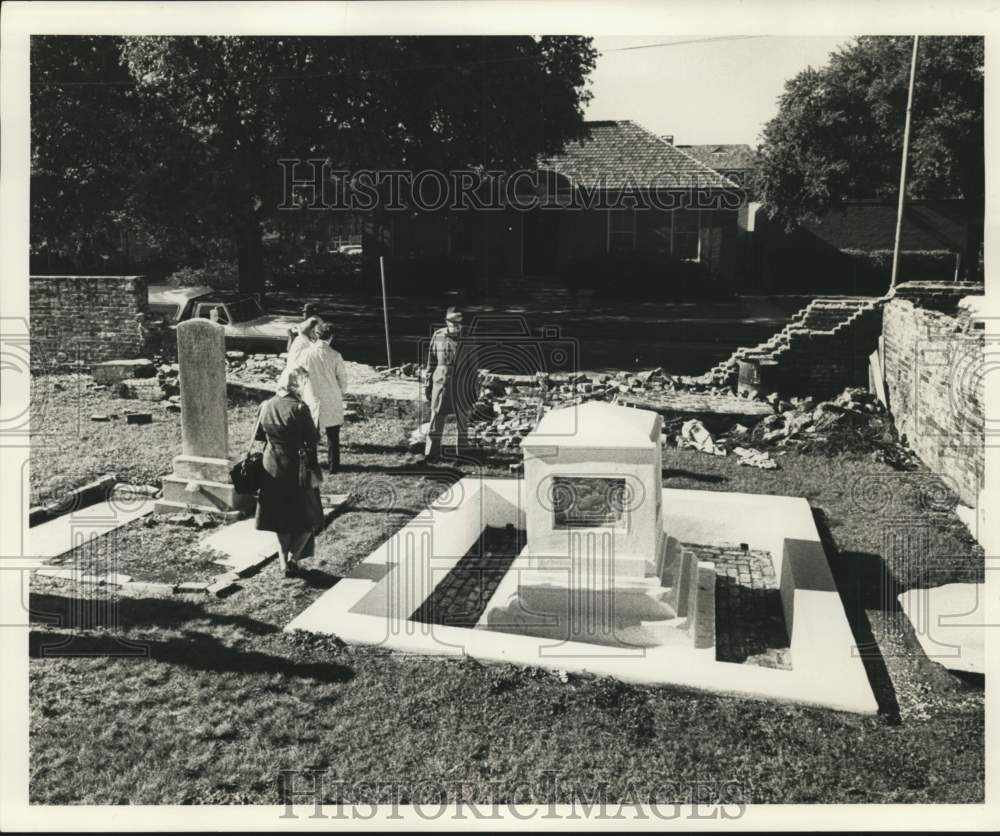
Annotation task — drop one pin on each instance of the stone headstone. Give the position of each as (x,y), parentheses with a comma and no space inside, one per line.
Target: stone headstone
(200,481)
(201,354)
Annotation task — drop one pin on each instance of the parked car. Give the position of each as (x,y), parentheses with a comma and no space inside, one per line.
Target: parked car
(351,250)
(319,271)
(248,326)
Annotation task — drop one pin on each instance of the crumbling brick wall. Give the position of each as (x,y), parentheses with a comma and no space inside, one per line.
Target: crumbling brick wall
(86,319)
(932,356)
(823,348)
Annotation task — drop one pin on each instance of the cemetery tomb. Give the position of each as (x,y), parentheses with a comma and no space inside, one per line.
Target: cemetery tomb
(588,565)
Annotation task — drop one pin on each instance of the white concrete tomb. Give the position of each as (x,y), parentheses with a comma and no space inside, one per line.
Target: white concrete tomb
(596,567)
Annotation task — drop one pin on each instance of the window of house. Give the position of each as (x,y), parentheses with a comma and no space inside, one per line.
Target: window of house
(621,230)
(685,240)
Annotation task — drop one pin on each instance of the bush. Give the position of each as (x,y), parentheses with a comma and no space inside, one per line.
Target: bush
(220,275)
(914,265)
(318,272)
(641,274)
(420,275)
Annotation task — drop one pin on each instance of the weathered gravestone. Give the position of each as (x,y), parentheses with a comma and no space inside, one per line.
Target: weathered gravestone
(201,472)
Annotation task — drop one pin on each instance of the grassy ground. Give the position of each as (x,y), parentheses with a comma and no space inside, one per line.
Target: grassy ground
(219,700)
(68,447)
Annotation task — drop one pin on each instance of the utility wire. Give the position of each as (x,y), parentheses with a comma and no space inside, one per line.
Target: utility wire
(421,68)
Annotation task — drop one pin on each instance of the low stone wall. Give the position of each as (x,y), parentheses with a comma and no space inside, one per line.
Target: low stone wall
(83,320)
(932,361)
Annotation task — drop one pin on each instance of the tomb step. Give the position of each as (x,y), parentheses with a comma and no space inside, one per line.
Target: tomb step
(213,495)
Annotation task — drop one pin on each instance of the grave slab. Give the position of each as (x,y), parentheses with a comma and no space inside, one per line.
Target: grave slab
(112,371)
(56,537)
(949,622)
(243,548)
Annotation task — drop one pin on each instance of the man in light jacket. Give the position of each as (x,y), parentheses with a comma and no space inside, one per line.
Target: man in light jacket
(324,392)
(451,383)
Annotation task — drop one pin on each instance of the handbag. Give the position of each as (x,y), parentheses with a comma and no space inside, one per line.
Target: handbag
(247,473)
(310,474)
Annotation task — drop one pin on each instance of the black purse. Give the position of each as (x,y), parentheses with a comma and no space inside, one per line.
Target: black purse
(247,474)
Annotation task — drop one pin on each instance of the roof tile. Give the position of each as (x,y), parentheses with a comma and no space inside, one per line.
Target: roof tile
(622,153)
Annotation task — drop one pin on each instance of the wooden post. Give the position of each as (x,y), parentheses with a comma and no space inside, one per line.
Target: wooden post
(902,173)
(385,311)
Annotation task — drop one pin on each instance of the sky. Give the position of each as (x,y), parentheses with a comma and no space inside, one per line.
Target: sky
(721,91)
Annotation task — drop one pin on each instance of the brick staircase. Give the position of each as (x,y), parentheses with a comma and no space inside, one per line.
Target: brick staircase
(823,348)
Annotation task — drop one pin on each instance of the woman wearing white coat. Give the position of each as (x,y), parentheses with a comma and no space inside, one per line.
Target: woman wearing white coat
(305,338)
(324,393)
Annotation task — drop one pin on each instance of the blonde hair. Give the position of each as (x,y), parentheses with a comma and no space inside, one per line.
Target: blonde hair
(293,378)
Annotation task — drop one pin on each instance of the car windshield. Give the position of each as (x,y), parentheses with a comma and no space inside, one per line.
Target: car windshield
(243,309)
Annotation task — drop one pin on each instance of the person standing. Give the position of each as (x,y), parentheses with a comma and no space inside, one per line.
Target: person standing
(451,383)
(285,505)
(324,393)
(310,311)
(305,336)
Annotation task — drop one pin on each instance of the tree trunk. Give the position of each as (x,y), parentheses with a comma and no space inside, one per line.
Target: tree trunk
(969,268)
(249,256)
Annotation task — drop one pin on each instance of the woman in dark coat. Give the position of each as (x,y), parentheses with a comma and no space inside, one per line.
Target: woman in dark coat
(292,511)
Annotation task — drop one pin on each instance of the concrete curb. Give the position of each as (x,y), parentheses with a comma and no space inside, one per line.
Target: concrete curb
(81,497)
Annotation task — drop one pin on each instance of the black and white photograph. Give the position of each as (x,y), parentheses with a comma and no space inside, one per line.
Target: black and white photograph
(469,415)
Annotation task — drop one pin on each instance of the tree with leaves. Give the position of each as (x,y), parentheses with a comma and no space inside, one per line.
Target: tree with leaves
(838,134)
(372,102)
(109,164)
(178,138)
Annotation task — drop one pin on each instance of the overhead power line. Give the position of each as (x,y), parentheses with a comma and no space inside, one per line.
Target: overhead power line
(408,69)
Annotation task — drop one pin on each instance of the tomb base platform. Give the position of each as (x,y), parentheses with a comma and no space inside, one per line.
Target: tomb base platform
(201,484)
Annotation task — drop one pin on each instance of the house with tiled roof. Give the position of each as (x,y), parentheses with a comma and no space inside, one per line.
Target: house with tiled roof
(621,152)
(732,161)
(620,201)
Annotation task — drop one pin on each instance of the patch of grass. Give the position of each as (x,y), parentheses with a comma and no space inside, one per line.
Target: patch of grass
(148,549)
(219,700)
(68,448)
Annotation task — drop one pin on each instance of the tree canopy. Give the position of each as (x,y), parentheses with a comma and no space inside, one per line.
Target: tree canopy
(184,134)
(838,134)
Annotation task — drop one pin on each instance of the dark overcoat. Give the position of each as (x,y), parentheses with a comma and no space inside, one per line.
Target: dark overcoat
(286,425)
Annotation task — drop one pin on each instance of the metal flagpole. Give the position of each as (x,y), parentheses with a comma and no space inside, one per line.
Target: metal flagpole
(385,312)
(902,173)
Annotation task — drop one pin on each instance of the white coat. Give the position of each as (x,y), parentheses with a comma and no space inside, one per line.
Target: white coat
(327,384)
(296,355)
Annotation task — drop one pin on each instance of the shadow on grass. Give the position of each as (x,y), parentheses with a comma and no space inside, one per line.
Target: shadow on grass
(197,651)
(360,447)
(75,612)
(677,473)
(864,582)
(317,579)
(973,679)
(417,468)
